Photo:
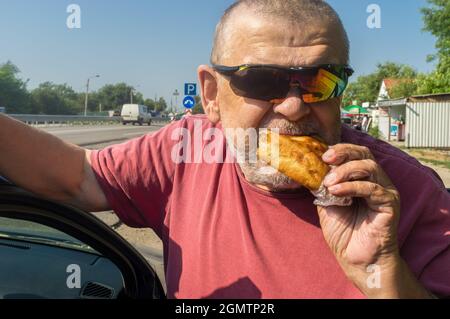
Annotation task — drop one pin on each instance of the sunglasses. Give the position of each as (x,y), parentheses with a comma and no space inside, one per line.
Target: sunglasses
(272,83)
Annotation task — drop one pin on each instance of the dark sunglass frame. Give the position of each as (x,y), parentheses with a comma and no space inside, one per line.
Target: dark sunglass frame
(230,70)
(342,72)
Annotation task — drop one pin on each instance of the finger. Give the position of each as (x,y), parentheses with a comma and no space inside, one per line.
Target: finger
(341,153)
(374,194)
(353,170)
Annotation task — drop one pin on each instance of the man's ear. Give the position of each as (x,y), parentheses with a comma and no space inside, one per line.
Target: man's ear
(209,88)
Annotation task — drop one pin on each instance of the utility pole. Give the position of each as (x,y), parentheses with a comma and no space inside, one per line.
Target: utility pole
(131,94)
(87,93)
(176,94)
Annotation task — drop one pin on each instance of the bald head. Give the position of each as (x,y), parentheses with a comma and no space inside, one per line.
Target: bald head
(309,17)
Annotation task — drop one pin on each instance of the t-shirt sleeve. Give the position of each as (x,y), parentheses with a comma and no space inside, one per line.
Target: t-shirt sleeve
(432,234)
(136,177)
(426,248)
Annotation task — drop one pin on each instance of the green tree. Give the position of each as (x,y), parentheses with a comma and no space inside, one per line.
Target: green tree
(113,96)
(161,105)
(138,98)
(367,87)
(93,102)
(13,91)
(437,21)
(55,99)
(404,89)
(198,108)
(435,82)
(150,103)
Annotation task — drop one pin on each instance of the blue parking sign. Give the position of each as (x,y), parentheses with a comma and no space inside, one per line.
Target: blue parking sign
(189,102)
(190,89)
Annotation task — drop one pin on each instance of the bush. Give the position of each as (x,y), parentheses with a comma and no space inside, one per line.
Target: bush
(374,132)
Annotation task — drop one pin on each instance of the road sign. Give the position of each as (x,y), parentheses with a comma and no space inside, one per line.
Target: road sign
(189,102)
(190,89)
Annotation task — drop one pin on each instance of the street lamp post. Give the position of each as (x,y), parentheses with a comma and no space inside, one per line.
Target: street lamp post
(131,93)
(87,93)
(176,94)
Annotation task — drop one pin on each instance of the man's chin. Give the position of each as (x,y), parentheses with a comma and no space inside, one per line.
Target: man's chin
(268,178)
(280,188)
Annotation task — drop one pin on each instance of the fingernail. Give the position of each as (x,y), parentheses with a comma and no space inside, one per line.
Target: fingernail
(329,155)
(330,179)
(334,188)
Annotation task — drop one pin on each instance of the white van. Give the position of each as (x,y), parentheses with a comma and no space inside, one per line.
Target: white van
(135,113)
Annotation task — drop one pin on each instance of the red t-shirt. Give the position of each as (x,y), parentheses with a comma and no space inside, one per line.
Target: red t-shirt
(226,238)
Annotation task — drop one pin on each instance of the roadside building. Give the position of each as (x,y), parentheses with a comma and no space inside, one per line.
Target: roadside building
(421,121)
(386,87)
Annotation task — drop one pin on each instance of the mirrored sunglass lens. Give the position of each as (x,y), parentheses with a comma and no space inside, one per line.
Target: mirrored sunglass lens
(267,83)
(260,83)
(322,86)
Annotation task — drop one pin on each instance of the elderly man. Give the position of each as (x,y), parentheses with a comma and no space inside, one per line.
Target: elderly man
(241,230)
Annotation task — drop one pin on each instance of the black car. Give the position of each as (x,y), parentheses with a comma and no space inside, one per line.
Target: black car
(51,250)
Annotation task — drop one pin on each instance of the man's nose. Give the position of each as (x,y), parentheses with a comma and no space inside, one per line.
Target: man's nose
(292,107)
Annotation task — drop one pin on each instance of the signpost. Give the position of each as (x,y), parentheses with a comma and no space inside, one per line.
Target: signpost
(190,90)
(189,102)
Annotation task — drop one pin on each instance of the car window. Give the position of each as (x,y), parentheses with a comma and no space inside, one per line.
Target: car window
(33,232)
(39,262)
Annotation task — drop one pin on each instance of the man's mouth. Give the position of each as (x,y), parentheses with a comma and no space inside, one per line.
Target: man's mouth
(290,133)
(293,133)
(297,134)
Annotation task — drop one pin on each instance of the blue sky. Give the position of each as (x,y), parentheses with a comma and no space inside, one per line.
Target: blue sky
(158,44)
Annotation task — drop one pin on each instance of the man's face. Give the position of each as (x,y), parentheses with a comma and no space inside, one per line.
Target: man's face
(266,41)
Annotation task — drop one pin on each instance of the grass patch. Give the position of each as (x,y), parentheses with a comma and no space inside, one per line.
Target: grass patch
(432,156)
(445,164)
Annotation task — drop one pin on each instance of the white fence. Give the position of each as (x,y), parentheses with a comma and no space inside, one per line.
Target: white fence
(428,124)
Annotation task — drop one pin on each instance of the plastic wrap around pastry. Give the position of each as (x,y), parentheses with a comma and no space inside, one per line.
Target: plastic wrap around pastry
(299,157)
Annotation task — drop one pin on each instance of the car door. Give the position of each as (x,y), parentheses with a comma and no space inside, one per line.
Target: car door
(74,240)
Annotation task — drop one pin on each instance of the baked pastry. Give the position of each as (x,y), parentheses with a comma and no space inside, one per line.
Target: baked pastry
(298,157)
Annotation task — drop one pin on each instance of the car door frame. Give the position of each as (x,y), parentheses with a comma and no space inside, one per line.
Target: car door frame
(140,280)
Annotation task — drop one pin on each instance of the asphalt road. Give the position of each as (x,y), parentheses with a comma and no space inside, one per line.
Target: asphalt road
(102,135)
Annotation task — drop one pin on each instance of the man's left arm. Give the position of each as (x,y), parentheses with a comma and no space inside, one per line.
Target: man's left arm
(363,237)
(396,282)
